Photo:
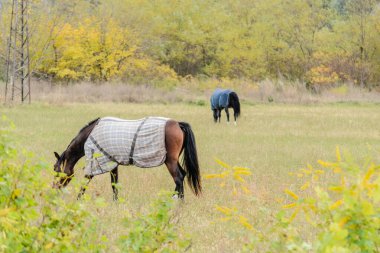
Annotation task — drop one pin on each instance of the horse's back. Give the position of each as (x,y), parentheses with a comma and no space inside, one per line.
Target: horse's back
(114,140)
(220,98)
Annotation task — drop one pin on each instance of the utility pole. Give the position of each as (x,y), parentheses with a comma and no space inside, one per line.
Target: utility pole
(17,85)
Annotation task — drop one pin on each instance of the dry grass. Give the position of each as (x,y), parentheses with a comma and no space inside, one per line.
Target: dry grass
(195,91)
(116,93)
(280,91)
(270,139)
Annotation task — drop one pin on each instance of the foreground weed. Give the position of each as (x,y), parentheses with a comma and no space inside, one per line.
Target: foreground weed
(156,231)
(232,177)
(343,211)
(33,216)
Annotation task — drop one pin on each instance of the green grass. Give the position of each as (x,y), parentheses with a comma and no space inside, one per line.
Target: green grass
(272,140)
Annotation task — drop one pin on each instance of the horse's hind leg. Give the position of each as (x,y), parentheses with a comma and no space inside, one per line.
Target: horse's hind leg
(173,141)
(228,114)
(178,177)
(114,180)
(182,174)
(219,115)
(235,117)
(83,188)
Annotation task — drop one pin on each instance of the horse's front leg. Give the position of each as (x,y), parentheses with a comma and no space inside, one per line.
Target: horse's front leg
(219,114)
(228,114)
(83,188)
(215,115)
(114,180)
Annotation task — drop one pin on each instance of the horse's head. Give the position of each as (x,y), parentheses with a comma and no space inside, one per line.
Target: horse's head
(64,171)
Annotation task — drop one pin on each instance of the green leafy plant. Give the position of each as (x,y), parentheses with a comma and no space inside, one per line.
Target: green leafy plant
(338,201)
(33,216)
(350,207)
(155,231)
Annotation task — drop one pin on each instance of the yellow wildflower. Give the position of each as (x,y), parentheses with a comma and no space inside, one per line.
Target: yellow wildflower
(368,175)
(243,220)
(5,211)
(336,188)
(338,156)
(292,194)
(305,186)
(289,206)
(337,170)
(245,189)
(238,178)
(336,204)
(343,221)
(210,176)
(294,214)
(224,210)
(223,164)
(325,164)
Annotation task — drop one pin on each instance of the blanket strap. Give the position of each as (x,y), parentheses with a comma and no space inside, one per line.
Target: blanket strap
(134,141)
(103,151)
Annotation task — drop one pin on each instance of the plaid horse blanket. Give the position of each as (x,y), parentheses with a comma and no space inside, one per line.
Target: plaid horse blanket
(219,99)
(115,142)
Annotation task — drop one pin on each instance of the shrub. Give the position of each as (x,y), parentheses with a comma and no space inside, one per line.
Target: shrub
(345,211)
(338,201)
(155,231)
(320,77)
(33,216)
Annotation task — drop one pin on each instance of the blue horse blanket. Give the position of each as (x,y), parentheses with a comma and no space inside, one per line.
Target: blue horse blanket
(220,99)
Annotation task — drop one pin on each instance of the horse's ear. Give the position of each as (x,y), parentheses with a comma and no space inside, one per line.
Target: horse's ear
(56,155)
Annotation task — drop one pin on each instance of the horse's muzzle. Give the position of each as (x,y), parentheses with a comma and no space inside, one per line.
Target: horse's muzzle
(57,183)
(60,181)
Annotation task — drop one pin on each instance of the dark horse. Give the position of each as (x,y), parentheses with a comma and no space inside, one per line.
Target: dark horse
(224,99)
(178,137)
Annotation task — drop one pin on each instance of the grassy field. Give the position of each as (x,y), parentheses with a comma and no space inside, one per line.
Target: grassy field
(272,140)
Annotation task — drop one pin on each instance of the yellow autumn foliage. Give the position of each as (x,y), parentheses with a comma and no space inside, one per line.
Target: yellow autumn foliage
(99,50)
(322,75)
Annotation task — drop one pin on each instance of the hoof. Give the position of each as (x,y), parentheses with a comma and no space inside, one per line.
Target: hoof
(177,196)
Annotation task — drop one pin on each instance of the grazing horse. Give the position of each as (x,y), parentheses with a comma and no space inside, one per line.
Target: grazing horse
(224,99)
(109,142)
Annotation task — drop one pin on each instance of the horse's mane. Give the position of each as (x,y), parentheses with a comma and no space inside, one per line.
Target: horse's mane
(80,131)
(88,124)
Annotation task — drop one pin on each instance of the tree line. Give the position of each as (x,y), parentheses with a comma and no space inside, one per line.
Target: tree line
(319,42)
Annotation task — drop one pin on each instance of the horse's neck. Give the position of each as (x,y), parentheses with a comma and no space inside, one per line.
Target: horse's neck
(75,150)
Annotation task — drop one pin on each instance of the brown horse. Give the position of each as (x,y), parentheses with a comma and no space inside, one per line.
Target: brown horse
(178,137)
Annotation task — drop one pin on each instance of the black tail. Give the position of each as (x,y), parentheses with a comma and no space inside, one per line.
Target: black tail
(190,159)
(234,101)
